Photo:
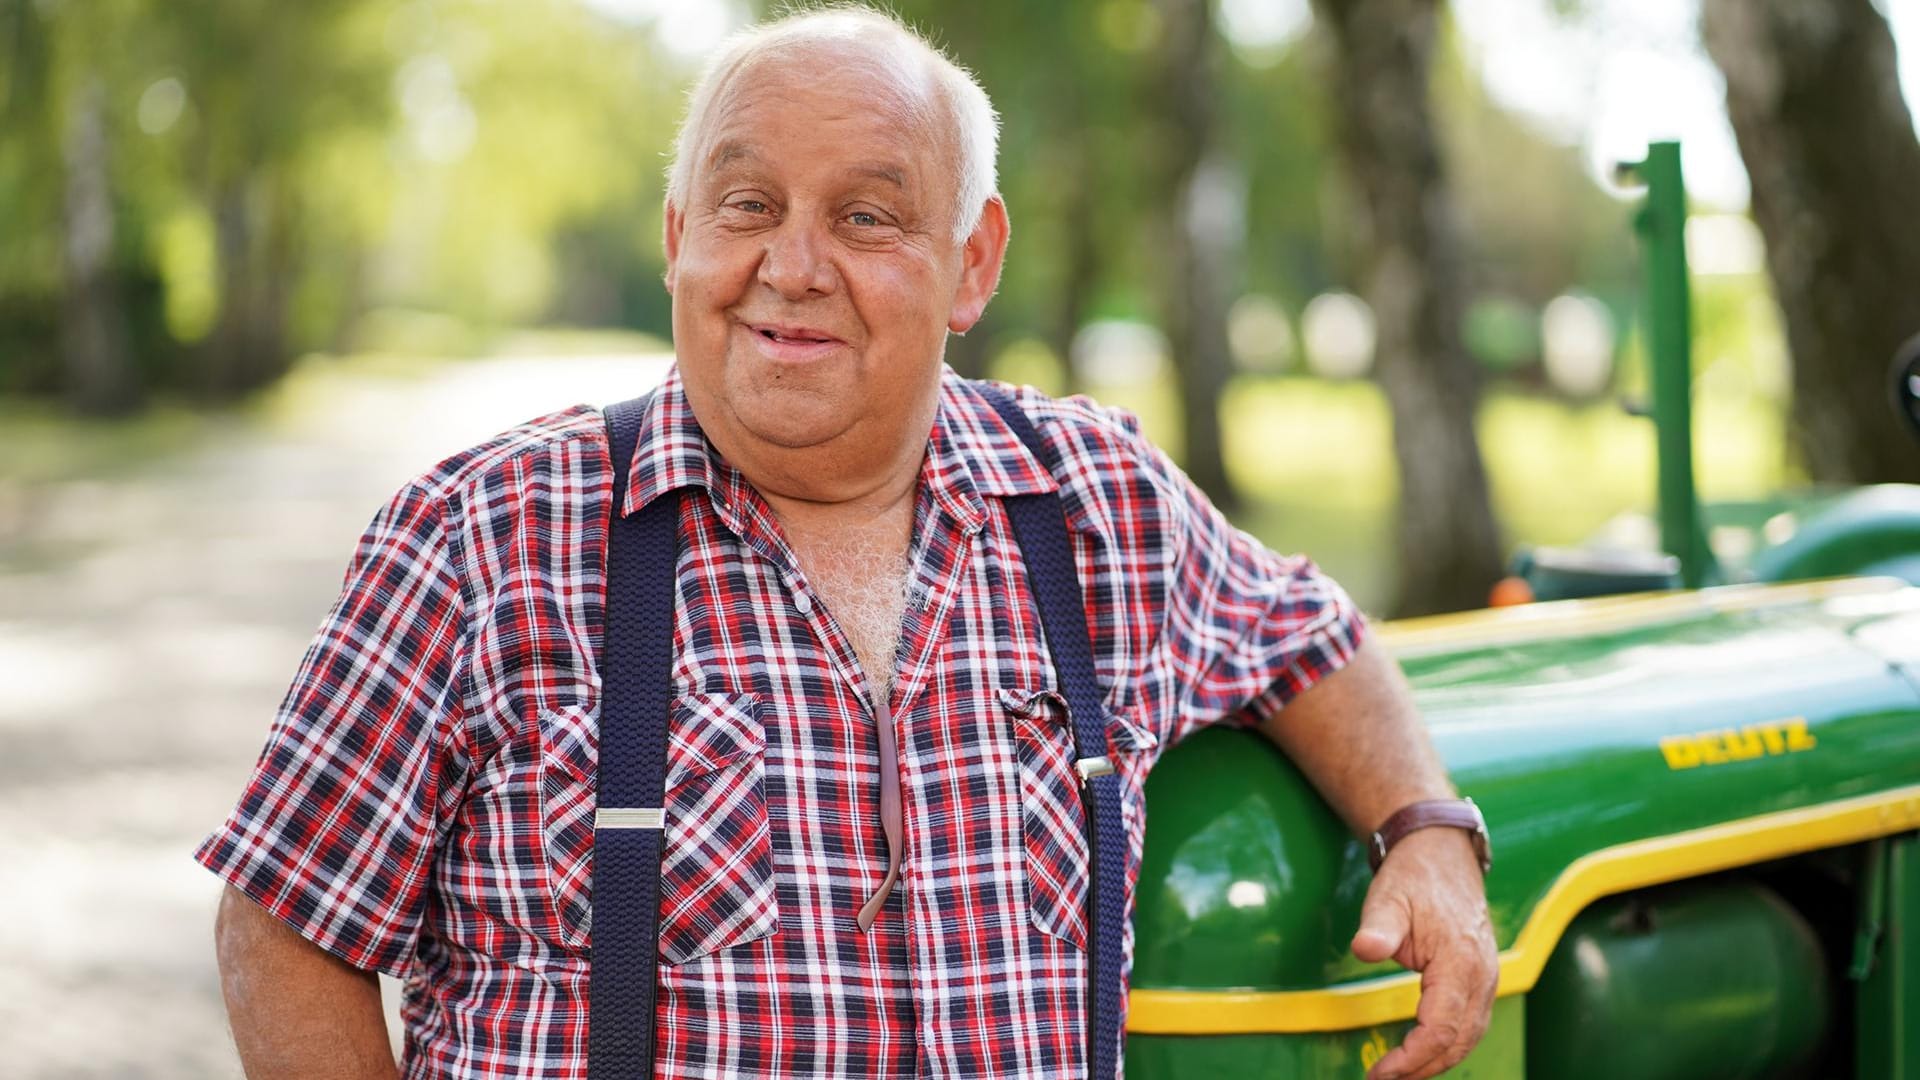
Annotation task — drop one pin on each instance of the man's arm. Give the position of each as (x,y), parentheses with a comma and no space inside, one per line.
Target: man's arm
(339,817)
(1358,738)
(296,1010)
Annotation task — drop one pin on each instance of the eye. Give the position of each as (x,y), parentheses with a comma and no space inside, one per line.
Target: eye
(751,206)
(863,219)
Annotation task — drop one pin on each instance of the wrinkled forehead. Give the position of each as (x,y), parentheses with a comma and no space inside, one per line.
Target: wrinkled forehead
(836,79)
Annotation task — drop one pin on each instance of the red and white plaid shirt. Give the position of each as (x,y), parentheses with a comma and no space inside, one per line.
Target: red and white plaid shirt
(424,803)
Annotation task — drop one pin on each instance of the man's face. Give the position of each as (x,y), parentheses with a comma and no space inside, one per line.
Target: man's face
(813,270)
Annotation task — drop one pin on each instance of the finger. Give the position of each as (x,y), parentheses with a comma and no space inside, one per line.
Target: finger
(1383,928)
(1485,983)
(1441,1025)
(1486,989)
(1477,962)
(1422,1054)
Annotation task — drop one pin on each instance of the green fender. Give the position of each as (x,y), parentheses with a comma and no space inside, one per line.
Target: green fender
(1871,531)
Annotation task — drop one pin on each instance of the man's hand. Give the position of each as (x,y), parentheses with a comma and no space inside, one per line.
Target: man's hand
(1358,737)
(1427,910)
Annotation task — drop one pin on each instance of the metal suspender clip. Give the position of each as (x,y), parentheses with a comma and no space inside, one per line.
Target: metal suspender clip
(630,817)
(1090,767)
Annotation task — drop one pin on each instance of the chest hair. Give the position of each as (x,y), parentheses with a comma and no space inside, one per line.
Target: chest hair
(863,580)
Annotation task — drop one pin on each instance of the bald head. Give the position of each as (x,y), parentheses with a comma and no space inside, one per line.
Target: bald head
(900,69)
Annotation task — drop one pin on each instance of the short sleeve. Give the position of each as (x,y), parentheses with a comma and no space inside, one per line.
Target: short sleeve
(335,829)
(1244,629)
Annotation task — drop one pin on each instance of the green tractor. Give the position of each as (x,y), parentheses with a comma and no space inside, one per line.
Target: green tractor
(1703,802)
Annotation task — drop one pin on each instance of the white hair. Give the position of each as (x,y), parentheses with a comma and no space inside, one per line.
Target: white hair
(913,62)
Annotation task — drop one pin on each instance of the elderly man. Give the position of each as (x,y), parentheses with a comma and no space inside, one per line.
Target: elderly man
(874,859)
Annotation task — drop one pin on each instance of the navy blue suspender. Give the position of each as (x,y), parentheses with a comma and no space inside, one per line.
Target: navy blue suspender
(636,664)
(629,827)
(1040,526)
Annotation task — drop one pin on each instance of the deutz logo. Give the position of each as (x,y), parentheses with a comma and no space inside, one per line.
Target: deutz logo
(1743,744)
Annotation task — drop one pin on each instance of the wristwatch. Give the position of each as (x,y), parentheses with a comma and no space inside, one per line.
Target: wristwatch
(1452,813)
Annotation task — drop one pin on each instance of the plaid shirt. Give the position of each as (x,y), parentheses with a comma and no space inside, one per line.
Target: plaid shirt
(424,803)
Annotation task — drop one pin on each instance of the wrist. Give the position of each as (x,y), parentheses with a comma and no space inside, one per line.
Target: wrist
(1437,846)
(1457,819)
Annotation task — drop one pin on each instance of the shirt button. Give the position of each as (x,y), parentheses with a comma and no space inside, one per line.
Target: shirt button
(802,603)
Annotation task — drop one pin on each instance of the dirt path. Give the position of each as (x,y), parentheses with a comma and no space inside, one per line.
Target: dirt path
(149,625)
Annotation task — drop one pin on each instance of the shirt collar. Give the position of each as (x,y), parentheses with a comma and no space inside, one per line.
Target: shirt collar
(981,446)
(672,452)
(971,453)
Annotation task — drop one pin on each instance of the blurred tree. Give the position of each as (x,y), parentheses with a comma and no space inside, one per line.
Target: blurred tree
(234,184)
(273,85)
(532,136)
(1115,213)
(1534,223)
(1279,117)
(1203,195)
(161,194)
(1413,274)
(1830,150)
(56,173)
(1065,158)
(100,377)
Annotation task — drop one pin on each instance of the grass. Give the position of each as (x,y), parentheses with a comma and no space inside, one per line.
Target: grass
(40,442)
(1315,463)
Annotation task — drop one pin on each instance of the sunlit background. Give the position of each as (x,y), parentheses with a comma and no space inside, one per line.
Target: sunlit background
(261,263)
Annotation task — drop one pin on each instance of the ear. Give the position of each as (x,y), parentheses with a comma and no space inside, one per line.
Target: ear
(673,224)
(980,260)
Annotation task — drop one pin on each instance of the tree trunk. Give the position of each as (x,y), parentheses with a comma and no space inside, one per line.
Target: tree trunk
(252,237)
(225,360)
(1206,197)
(1829,147)
(100,377)
(1080,271)
(1413,274)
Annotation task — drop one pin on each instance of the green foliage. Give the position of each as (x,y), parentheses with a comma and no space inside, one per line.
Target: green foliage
(223,126)
(420,175)
(278,170)
(1534,221)
(1278,117)
(1501,333)
(524,124)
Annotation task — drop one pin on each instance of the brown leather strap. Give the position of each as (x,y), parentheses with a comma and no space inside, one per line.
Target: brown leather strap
(1452,813)
(891,822)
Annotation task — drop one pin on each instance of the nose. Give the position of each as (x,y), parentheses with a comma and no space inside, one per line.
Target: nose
(795,263)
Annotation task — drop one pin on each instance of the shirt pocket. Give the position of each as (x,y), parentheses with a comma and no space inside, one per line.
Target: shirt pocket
(717,884)
(1053,817)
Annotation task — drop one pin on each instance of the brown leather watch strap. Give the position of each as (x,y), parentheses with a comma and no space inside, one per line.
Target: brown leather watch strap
(1452,813)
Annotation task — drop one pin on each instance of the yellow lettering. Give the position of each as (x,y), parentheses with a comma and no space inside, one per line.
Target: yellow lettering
(1710,751)
(1776,744)
(1798,737)
(1373,1050)
(1744,745)
(1680,752)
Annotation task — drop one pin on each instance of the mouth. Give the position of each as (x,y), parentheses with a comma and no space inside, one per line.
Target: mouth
(792,344)
(793,335)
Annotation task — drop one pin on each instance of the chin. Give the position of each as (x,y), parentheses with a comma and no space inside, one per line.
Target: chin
(794,417)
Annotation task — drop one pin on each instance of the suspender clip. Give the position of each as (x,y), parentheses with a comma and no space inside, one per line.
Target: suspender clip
(630,817)
(1090,767)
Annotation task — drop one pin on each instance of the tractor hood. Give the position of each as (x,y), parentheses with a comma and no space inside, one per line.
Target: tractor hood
(1612,744)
